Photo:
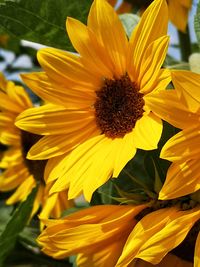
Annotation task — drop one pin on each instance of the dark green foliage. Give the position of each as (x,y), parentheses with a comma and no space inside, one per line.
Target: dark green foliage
(41,21)
(14,226)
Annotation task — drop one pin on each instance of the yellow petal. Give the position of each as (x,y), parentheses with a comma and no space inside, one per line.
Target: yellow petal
(163,79)
(7,119)
(152,25)
(104,21)
(157,234)
(88,231)
(167,106)
(106,256)
(3,82)
(101,168)
(13,177)
(8,104)
(125,151)
(62,204)
(49,205)
(11,157)
(54,120)
(38,200)
(93,55)
(82,156)
(187,86)
(56,145)
(53,168)
(90,165)
(18,95)
(183,145)
(147,132)
(182,179)
(63,68)
(10,136)
(20,194)
(67,95)
(150,66)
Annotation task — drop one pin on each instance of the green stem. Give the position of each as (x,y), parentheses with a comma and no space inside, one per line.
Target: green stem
(185,44)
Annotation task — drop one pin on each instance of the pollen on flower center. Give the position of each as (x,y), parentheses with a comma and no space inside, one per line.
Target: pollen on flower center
(35,167)
(118,106)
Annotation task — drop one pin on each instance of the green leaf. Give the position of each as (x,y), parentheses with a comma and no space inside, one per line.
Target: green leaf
(28,237)
(158,183)
(41,21)
(129,22)
(96,198)
(160,166)
(133,181)
(107,191)
(137,170)
(197,23)
(15,225)
(5,212)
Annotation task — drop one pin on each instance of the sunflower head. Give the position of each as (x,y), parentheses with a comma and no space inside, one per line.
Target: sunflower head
(118,106)
(103,116)
(19,173)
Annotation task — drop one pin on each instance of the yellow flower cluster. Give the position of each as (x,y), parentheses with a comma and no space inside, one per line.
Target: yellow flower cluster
(100,107)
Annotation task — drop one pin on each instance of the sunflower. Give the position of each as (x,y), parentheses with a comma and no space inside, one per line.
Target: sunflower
(182,149)
(97,234)
(97,114)
(117,235)
(18,173)
(178,9)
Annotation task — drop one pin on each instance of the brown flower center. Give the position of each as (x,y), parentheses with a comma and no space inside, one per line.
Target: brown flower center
(35,167)
(118,106)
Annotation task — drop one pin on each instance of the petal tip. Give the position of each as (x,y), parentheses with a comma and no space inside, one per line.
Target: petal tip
(162,196)
(69,21)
